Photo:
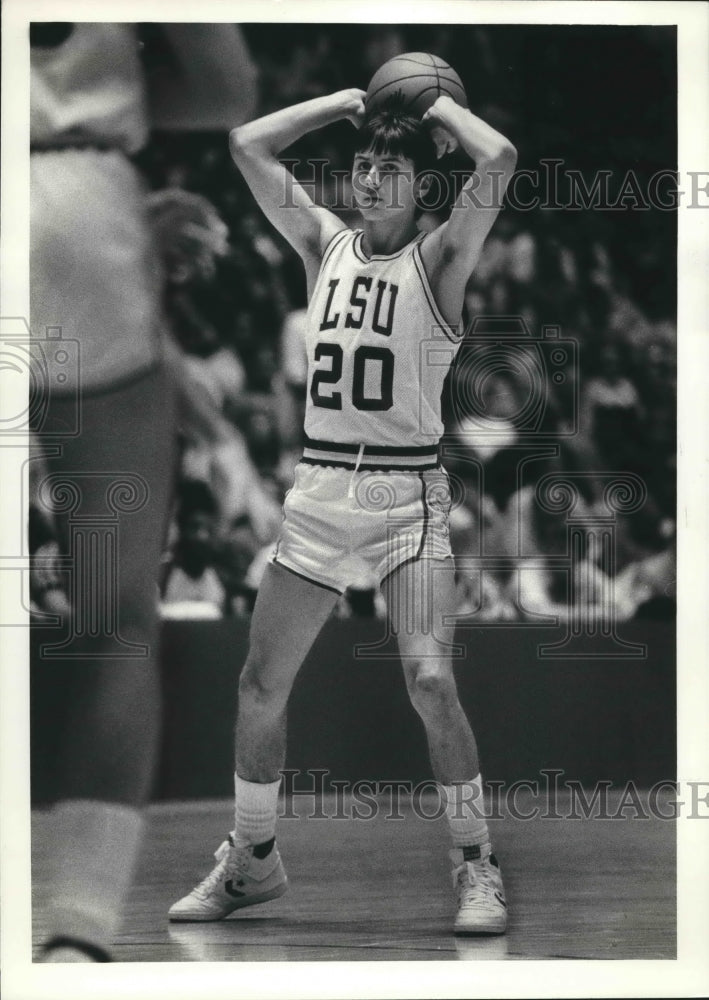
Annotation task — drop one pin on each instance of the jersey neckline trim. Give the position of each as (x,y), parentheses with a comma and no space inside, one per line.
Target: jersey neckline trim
(360,254)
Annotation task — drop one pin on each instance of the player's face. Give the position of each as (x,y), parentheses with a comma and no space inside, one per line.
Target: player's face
(383,184)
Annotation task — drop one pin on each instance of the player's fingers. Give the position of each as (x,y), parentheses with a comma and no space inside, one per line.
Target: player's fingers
(432,119)
(440,141)
(449,146)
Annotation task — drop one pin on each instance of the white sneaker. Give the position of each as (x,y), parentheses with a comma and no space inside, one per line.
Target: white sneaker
(481,896)
(242,877)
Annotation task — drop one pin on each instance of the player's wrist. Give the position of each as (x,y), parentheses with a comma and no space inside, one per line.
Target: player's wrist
(349,103)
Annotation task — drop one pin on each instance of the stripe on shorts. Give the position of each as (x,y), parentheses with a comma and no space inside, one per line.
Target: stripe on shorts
(376,457)
(418,555)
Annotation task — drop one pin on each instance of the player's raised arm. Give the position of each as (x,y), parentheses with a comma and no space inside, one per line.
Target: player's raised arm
(288,206)
(458,242)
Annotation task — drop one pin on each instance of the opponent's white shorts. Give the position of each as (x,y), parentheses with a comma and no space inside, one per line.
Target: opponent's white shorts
(344,527)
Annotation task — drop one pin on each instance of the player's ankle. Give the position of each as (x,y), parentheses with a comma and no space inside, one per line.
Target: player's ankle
(262,850)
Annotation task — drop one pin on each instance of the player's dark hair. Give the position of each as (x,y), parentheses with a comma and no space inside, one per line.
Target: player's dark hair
(391,130)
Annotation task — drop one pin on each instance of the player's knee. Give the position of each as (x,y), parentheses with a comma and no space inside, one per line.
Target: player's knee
(431,688)
(259,687)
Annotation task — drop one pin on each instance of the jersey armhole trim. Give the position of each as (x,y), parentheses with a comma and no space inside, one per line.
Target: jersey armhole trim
(332,243)
(454,334)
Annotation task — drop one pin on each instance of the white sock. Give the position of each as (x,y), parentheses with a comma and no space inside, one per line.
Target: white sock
(94,850)
(255,808)
(465,812)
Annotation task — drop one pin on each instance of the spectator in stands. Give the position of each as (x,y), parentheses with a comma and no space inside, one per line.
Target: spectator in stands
(648,588)
(484,423)
(237,552)
(477,529)
(541,583)
(191,578)
(610,410)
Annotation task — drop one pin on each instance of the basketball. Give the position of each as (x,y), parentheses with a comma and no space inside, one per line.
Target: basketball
(413,81)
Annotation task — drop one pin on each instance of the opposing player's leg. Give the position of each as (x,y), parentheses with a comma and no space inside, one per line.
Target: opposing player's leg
(289,613)
(105,764)
(419,595)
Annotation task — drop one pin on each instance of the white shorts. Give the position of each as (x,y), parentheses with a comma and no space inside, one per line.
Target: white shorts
(343,527)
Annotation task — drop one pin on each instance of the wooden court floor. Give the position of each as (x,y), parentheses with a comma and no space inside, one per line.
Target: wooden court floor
(380,889)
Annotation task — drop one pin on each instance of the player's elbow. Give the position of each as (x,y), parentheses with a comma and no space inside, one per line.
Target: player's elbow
(511,154)
(237,145)
(242,144)
(505,158)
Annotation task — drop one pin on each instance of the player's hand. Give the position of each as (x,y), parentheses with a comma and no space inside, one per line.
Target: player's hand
(438,119)
(44,566)
(353,105)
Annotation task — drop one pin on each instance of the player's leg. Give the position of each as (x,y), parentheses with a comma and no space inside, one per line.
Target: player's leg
(287,617)
(419,595)
(110,734)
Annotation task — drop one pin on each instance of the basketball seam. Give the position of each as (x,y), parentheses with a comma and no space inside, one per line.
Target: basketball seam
(416,76)
(438,78)
(416,62)
(400,79)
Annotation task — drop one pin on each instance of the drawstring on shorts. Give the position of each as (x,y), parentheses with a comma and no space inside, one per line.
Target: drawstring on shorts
(350,492)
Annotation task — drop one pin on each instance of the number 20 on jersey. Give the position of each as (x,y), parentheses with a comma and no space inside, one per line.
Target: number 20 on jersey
(365,354)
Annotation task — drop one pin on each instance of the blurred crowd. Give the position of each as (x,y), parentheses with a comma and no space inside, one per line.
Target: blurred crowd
(235,303)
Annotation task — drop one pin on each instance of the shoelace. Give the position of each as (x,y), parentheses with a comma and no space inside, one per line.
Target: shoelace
(239,863)
(478,884)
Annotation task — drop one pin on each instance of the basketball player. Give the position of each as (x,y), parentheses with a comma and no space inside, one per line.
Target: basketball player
(372,426)
(95,273)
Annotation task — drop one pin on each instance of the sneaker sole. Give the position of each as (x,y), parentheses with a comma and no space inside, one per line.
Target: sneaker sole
(238,904)
(482,930)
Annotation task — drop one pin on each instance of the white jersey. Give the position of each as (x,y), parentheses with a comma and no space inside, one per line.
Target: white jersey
(93,262)
(378,353)
(88,90)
